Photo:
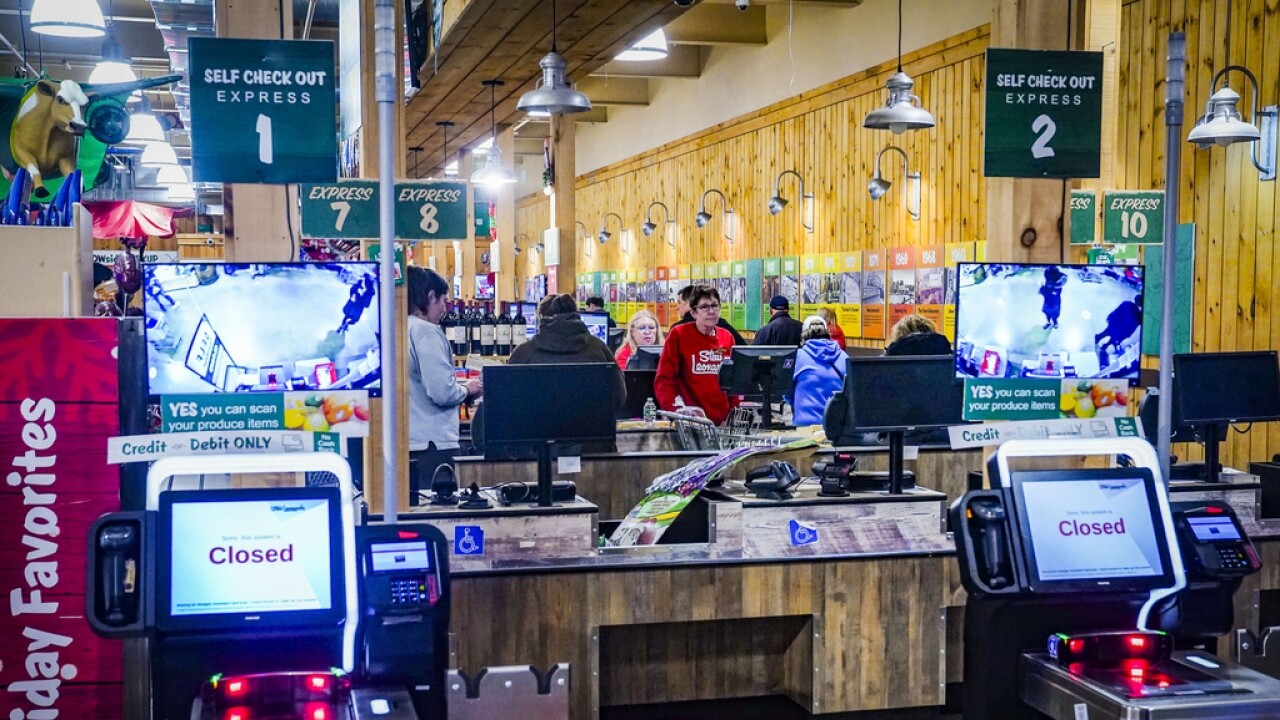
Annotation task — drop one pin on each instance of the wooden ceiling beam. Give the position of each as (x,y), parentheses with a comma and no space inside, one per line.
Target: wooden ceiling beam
(615,90)
(710,24)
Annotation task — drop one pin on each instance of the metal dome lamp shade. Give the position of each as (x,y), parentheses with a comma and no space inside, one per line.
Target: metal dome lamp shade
(494,171)
(144,127)
(158,155)
(878,186)
(181,193)
(649,226)
(703,217)
(171,175)
(650,47)
(554,95)
(604,233)
(1222,124)
(901,111)
(114,67)
(777,202)
(68,18)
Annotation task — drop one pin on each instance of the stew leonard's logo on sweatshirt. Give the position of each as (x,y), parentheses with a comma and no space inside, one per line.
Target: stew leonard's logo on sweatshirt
(707,362)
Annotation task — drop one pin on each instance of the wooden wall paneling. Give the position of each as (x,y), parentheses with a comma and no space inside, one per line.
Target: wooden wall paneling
(1268,320)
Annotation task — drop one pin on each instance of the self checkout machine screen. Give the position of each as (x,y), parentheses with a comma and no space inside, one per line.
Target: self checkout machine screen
(1077,583)
(404,584)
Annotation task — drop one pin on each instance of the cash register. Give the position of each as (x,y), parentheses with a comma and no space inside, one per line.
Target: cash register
(1091,595)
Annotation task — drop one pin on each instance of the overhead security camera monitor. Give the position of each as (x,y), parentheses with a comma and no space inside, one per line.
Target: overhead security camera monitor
(1049,321)
(1093,529)
(246,560)
(263,327)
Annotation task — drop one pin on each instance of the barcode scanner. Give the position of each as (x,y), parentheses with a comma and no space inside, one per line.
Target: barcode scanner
(773,481)
(991,519)
(444,485)
(119,545)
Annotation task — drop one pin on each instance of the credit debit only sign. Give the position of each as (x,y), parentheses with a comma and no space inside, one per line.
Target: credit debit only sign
(1082,531)
(239,557)
(145,448)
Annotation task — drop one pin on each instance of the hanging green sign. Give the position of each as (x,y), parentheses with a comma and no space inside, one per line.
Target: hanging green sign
(1153,293)
(1084,211)
(263,111)
(1133,216)
(1043,113)
(426,210)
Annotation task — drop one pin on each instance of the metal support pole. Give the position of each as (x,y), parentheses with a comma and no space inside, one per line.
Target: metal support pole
(1172,170)
(384,38)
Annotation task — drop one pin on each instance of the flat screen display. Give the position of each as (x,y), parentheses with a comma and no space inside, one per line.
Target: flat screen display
(1049,321)
(597,324)
(539,403)
(235,327)
(1227,387)
(1211,529)
(250,556)
(1093,528)
(394,557)
(902,392)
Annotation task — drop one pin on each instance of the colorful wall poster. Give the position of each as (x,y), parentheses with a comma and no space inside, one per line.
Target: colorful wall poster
(724,283)
(849,305)
(829,290)
(930,283)
(980,251)
(956,253)
(770,285)
(874,296)
(651,290)
(753,275)
(902,283)
(738,292)
(790,282)
(662,299)
(810,286)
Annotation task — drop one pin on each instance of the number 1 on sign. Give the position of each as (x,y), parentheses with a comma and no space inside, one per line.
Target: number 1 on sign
(266,153)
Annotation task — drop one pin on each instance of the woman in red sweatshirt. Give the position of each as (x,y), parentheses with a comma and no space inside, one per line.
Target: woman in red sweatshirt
(688,378)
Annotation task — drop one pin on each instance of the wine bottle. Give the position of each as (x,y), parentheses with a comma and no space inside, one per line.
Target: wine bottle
(488,330)
(473,329)
(504,331)
(519,328)
(458,332)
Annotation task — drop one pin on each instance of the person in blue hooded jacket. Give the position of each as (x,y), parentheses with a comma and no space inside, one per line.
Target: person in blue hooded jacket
(820,369)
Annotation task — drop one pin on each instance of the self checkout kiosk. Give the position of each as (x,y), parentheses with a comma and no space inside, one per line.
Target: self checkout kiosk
(1090,595)
(270,602)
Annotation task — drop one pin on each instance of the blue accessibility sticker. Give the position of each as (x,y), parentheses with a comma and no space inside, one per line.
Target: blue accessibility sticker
(468,540)
(802,534)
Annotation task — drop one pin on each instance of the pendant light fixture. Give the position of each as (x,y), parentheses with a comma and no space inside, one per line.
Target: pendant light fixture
(878,186)
(171,175)
(144,127)
(493,173)
(902,111)
(68,18)
(555,94)
(650,47)
(114,67)
(777,202)
(158,155)
(1222,124)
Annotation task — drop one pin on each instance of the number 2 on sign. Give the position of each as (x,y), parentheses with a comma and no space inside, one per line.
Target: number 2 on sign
(429,222)
(266,153)
(1046,129)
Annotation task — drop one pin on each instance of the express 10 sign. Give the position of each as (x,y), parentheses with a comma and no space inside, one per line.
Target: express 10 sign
(1043,113)
(263,111)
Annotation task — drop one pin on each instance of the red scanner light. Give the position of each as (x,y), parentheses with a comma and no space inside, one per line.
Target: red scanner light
(1137,642)
(1076,645)
(406,534)
(316,711)
(237,687)
(237,714)
(318,683)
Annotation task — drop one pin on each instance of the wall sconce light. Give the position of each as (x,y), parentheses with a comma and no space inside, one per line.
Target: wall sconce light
(604,235)
(703,217)
(901,111)
(515,244)
(910,192)
(1222,125)
(777,202)
(584,239)
(649,226)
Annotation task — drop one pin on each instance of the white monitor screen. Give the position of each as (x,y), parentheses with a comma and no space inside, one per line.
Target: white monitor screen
(598,324)
(392,557)
(250,556)
(1091,529)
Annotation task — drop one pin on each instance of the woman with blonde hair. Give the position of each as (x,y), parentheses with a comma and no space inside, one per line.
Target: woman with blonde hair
(917,335)
(837,333)
(642,330)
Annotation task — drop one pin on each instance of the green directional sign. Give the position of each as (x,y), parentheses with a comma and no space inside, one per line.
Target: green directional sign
(349,210)
(1043,113)
(1084,211)
(263,111)
(375,254)
(1133,216)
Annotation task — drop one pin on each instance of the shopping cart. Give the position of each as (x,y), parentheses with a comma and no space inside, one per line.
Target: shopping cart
(740,429)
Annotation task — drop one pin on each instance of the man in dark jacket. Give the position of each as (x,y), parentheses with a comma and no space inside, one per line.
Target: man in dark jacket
(782,329)
(682,306)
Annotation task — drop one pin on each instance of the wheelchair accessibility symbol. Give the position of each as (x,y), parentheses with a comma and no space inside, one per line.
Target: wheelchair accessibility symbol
(802,534)
(468,540)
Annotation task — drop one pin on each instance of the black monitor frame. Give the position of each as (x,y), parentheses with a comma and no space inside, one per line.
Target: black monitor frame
(1144,584)
(598,318)
(766,370)
(637,380)
(260,621)
(1187,385)
(645,357)
(538,391)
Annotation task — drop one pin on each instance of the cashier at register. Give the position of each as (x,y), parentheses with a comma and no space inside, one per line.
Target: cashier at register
(688,379)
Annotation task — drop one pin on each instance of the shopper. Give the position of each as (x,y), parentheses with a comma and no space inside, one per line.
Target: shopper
(563,338)
(917,335)
(820,370)
(782,329)
(1054,280)
(642,330)
(686,316)
(595,304)
(688,378)
(434,392)
(837,333)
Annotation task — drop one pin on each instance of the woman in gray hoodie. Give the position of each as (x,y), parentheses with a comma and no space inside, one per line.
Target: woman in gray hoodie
(434,392)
